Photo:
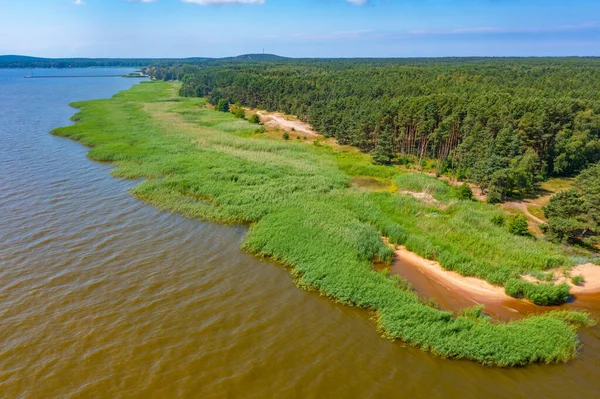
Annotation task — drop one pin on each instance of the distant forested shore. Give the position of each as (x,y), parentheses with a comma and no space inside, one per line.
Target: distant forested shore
(20,61)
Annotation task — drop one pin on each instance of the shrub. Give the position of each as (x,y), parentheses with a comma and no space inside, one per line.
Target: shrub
(222,106)
(254,118)
(285,135)
(518,226)
(239,113)
(494,196)
(464,192)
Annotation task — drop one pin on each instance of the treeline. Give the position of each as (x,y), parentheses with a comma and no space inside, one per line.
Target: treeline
(33,62)
(502,123)
(170,68)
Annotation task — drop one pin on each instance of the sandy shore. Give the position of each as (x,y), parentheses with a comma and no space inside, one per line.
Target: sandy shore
(449,279)
(591,274)
(480,289)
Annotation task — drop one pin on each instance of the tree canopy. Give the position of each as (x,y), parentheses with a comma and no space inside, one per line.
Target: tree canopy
(574,215)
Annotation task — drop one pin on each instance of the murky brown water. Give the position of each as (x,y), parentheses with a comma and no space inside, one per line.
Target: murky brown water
(101,296)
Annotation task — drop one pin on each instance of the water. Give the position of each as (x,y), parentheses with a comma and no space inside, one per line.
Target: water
(102,296)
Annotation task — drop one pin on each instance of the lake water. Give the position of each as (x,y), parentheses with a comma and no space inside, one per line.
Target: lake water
(102,296)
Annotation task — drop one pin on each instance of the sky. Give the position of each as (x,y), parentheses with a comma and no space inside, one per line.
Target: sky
(299,28)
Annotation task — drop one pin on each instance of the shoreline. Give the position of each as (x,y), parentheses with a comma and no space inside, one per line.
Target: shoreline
(460,291)
(450,279)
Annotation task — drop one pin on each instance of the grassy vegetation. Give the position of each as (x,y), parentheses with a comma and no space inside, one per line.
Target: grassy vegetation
(462,236)
(303,212)
(578,280)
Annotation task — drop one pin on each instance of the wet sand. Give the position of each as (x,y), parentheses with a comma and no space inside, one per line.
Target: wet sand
(452,291)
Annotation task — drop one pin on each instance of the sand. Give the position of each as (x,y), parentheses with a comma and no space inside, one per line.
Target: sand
(451,280)
(475,287)
(281,121)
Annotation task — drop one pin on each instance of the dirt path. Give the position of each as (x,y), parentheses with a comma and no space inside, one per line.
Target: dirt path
(522,206)
(288,123)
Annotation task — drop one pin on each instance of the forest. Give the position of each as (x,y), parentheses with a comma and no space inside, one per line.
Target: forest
(503,123)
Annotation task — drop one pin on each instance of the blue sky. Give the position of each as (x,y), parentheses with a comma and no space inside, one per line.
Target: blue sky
(299,28)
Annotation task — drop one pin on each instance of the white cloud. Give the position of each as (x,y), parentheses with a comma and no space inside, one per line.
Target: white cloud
(78,2)
(219,2)
(142,1)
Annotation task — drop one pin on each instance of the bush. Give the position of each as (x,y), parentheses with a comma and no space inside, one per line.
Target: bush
(285,135)
(254,118)
(222,106)
(239,113)
(494,196)
(464,192)
(518,226)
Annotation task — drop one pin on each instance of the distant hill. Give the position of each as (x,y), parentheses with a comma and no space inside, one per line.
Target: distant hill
(19,58)
(254,57)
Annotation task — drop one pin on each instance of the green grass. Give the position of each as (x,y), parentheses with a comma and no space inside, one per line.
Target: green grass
(303,212)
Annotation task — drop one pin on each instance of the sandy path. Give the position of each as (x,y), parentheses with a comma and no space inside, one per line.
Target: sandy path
(279,120)
(522,206)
